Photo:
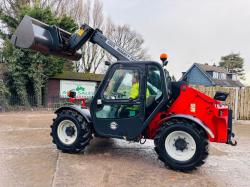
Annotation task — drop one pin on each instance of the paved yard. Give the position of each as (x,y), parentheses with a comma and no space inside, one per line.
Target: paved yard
(28,158)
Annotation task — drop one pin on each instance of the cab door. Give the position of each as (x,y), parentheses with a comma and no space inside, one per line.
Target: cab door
(117,109)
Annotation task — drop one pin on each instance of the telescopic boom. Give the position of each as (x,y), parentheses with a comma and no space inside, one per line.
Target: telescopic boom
(47,39)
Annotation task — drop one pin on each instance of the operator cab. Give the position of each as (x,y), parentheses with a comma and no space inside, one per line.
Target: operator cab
(128,98)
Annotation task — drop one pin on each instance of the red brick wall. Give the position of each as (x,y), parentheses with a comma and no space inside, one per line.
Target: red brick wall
(52,92)
(53,88)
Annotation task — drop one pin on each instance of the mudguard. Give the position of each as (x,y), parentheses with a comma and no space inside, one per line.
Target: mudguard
(83,111)
(191,118)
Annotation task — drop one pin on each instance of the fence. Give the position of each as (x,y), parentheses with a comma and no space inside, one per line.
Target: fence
(238,99)
(14,103)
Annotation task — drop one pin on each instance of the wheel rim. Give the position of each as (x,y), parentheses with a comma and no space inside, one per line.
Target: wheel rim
(67,132)
(180,145)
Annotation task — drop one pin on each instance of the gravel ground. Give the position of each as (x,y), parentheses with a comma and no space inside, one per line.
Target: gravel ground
(28,158)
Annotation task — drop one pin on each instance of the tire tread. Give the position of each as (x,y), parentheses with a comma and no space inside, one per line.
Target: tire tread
(85,133)
(194,127)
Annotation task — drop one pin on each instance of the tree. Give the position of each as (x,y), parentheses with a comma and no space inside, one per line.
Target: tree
(29,70)
(128,39)
(90,12)
(92,55)
(58,7)
(123,35)
(234,64)
(73,8)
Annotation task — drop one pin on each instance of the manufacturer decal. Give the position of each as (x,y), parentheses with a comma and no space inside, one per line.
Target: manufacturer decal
(113,125)
(120,50)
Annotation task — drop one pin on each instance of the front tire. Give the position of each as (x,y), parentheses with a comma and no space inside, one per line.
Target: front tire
(181,146)
(70,132)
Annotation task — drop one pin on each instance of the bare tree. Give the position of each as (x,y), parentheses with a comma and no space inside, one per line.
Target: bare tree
(128,39)
(122,35)
(91,13)
(11,7)
(73,8)
(92,55)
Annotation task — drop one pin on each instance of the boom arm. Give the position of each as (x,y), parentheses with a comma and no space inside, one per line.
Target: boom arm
(47,39)
(86,33)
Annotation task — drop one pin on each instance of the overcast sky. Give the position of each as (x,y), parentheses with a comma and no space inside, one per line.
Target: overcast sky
(188,30)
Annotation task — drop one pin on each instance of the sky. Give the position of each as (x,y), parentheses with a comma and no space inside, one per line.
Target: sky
(188,30)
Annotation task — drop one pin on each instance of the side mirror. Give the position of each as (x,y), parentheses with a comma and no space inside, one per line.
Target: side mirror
(221,96)
(71,94)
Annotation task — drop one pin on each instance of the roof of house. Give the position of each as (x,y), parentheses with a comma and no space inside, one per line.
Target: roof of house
(68,75)
(205,68)
(228,83)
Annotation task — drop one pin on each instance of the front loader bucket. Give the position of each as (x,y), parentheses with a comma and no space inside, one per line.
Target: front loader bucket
(38,36)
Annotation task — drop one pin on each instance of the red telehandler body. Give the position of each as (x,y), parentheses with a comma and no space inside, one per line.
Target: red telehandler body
(180,119)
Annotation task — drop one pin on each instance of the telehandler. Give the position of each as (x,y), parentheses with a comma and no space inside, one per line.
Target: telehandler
(181,120)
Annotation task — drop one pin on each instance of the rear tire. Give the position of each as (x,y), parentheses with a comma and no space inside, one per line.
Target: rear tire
(70,132)
(181,146)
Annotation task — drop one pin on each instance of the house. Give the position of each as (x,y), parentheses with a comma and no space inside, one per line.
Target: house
(84,84)
(207,75)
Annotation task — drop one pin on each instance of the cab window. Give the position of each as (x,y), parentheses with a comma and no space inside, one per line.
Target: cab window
(124,84)
(154,87)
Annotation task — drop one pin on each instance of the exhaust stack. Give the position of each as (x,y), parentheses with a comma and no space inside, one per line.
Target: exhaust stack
(38,36)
